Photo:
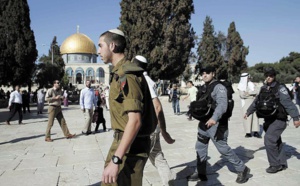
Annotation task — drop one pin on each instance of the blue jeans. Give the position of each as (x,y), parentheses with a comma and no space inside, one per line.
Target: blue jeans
(175,105)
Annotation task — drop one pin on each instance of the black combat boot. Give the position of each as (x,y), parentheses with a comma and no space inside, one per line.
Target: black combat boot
(201,172)
(275,169)
(243,176)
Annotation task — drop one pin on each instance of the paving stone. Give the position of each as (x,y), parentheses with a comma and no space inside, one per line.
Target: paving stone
(26,159)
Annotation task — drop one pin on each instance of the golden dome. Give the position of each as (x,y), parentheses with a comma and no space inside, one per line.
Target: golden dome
(78,43)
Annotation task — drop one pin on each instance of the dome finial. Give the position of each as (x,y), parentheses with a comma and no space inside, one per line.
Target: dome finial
(77,28)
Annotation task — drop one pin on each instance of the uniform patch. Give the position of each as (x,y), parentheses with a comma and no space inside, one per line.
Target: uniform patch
(284,91)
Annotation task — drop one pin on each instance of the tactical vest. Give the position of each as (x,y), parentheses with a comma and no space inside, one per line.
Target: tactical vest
(268,104)
(204,106)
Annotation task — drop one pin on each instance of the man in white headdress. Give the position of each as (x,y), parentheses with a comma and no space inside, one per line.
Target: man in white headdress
(247,94)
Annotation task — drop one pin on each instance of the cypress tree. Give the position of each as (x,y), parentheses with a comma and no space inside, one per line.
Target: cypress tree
(209,48)
(160,31)
(236,52)
(17,43)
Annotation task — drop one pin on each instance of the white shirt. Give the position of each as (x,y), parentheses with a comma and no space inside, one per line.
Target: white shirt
(87,98)
(193,93)
(15,97)
(151,85)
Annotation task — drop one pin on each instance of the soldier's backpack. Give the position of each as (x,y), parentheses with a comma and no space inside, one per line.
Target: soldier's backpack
(204,106)
(149,119)
(268,104)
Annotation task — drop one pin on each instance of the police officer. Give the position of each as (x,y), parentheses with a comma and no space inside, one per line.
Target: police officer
(130,148)
(216,129)
(274,126)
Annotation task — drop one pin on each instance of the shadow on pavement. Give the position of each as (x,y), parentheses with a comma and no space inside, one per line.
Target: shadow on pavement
(23,139)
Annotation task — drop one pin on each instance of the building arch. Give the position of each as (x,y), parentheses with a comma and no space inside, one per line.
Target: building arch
(100,75)
(90,74)
(79,75)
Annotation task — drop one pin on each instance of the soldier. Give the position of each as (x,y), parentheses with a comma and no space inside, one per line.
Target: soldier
(54,98)
(275,122)
(130,148)
(214,127)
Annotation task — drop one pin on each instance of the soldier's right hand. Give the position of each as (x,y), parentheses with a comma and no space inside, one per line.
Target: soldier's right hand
(296,124)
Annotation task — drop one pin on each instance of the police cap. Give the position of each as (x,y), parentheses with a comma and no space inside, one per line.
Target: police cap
(269,71)
(207,69)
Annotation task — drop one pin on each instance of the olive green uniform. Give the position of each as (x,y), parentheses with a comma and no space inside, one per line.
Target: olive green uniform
(126,96)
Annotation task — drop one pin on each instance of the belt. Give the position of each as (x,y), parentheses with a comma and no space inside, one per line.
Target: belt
(118,135)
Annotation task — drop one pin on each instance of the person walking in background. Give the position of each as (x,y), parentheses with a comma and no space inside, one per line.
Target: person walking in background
(159,90)
(66,101)
(100,117)
(192,94)
(156,155)
(296,91)
(247,94)
(106,93)
(87,100)
(40,101)
(54,98)
(25,100)
(175,96)
(15,104)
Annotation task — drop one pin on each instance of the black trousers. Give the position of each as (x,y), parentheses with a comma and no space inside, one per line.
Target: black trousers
(16,107)
(26,106)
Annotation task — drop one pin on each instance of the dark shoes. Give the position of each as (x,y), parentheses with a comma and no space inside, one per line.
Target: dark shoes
(71,136)
(248,135)
(256,134)
(48,140)
(86,133)
(7,123)
(275,169)
(243,176)
(195,177)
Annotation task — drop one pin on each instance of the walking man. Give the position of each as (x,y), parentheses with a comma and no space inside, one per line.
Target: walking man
(276,94)
(40,101)
(15,104)
(175,96)
(247,94)
(156,155)
(87,100)
(192,93)
(214,127)
(130,148)
(54,98)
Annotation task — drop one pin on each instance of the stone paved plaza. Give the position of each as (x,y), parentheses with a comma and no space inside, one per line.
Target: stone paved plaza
(26,159)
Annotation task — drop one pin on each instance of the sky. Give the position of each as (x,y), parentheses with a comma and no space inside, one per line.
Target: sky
(270,28)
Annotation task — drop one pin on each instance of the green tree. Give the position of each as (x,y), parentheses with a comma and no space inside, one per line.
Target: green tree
(160,31)
(209,48)
(48,72)
(187,73)
(17,42)
(236,52)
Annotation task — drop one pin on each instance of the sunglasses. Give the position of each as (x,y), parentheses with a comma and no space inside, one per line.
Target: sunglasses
(57,83)
(268,75)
